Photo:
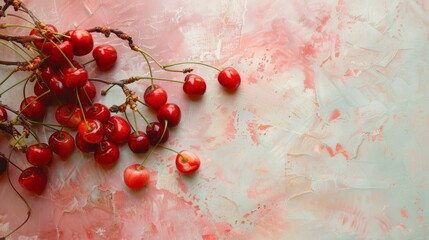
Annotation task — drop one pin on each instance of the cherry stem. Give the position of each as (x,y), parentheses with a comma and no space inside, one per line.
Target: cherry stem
(16,51)
(170,149)
(86,94)
(8,25)
(88,62)
(81,107)
(156,145)
(10,63)
(65,57)
(150,71)
(7,77)
(22,49)
(141,114)
(16,84)
(160,79)
(28,21)
(190,62)
(48,125)
(22,198)
(135,122)
(28,104)
(126,116)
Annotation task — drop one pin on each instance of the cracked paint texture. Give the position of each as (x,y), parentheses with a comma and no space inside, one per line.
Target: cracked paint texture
(325,138)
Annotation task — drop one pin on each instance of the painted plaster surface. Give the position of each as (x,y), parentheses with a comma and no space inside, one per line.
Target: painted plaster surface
(326,138)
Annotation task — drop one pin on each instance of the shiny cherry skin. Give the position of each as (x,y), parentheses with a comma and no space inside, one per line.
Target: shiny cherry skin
(105,56)
(170,112)
(98,111)
(3,114)
(3,164)
(47,72)
(187,162)
(156,97)
(136,176)
(194,85)
(45,45)
(62,143)
(69,115)
(59,89)
(39,154)
(57,58)
(229,78)
(86,94)
(33,179)
(107,153)
(82,42)
(84,146)
(117,130)
(154,132)
(92,131)
(138,142)
(41,90)
(76,78)
(33,108)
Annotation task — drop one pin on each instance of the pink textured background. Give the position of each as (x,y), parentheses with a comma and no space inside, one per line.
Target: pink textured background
(325,139)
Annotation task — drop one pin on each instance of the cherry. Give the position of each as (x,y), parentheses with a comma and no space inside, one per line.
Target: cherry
(48,33)
(3,114)
(105,56)
(82,42)
(107,153)
(138,142)
(156,97)
(92,131)
(229,78)
(33,179)
(194,85)
(76,78)
(33,108)
(170,112)
(86,94)
(70,68)
(84,146)
(117,130)
(98,111)
(41,88)
(154,132)
(39,154)
(61,53)
(62,143)
(136,176)
(69,115)
(3,164)
(47,72)
(187,162)
(58,87)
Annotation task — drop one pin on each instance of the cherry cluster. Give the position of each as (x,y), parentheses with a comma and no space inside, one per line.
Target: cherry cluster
(61,82)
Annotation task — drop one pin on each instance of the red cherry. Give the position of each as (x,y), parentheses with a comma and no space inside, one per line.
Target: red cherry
(136,176)
(138,142)
(3,164)
(105,56)
(82,42)
(70,69)
(59,89)
(86,94)
(41,88)
(33,108)
(194,85)
(107,153)
(154,132)
(69,115)
(76,78)
(62,143)
(117,130)
(39,154)
(33,179)
(170,112)
(187,162)
(229,78)
(92,131)
(61,53)
(98,111)
(3,114)
(47,72)
(48,33)
(84,146)
(156,97)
